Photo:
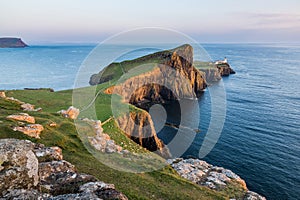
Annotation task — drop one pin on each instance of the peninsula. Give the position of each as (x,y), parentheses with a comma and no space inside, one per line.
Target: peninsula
(10,42)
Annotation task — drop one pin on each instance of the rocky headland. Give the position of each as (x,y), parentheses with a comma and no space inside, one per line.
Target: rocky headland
(164,77)
(12,43)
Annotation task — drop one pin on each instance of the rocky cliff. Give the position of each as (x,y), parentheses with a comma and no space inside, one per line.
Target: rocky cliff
(140,128)
(225,69)
(12,43)
(172,77)
(211,75)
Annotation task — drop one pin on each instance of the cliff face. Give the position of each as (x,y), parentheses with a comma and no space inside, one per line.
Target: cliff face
(225,69)
(140,128)
(173,77)
(12,43)
(211,75)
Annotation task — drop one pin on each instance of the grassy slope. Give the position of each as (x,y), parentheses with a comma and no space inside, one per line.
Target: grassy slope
(162,184)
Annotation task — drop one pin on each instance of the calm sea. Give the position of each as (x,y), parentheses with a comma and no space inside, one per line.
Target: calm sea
(260,140)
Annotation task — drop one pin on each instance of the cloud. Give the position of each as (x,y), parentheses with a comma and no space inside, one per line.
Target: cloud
(271,20)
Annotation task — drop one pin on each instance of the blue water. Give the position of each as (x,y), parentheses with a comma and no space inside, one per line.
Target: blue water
(260,140)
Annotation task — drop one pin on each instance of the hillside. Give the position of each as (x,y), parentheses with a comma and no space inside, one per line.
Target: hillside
(161,184)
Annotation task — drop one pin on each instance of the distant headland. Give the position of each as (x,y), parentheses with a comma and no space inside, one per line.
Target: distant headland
(10,42)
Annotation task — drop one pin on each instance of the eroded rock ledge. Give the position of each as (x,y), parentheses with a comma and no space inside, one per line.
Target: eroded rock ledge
(33,171)
(214,177)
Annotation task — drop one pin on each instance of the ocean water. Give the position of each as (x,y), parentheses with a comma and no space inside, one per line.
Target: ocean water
(260,140)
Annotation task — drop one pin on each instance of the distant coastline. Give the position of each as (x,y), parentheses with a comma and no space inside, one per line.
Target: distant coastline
(11,42)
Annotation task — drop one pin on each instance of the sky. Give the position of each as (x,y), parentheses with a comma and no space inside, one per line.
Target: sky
(211,21)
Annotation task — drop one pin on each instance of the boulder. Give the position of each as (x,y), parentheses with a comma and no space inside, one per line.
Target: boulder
(32,130)
(22,117)
(18,165)
(71,113)
(22,173)
(2,95)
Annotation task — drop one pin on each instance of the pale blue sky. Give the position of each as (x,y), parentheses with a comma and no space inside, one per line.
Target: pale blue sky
(206,21)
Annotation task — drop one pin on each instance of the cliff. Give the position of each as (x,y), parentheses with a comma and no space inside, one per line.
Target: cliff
(12,43)
(225,69)
(172,77)
(139,127)
(213,72)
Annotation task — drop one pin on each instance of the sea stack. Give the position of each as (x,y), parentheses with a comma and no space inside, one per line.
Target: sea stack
(8,42)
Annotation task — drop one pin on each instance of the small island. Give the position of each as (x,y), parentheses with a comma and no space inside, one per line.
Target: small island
(10,42)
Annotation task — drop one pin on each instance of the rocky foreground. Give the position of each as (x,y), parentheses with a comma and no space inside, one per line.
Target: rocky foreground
(33,171)
(205,174)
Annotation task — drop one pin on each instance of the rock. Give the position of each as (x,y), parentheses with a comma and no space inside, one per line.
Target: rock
(46,154)
(21,174)
(46,169)
(102,190)
(214,177)
(140,128)
(12,43)
(253,196)
(19,165)
(27,107)
(32,130)
(225,69)
(20,194)
(22,117)
(60,177)
(102,141)
(12,99)
(52,124)
(2,95)
(71,113)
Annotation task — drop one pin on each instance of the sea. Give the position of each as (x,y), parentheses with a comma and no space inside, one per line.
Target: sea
(260,139)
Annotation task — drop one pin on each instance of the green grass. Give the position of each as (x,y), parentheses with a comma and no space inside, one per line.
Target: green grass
(160,184)
(203,65)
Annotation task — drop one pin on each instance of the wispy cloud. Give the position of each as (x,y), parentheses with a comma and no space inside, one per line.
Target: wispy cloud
(270,20)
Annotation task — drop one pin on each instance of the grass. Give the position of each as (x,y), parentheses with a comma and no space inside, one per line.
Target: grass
(161,184)
(203,65)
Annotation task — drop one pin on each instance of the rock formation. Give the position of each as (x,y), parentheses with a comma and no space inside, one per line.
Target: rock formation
(71,113)
(140,128)
(12,43)
(211,75)
(225,69)
(24,106)
(32,130)
(2,95)
(205,174)
(22,117)
(33,171)
(101,141)
(173,77)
